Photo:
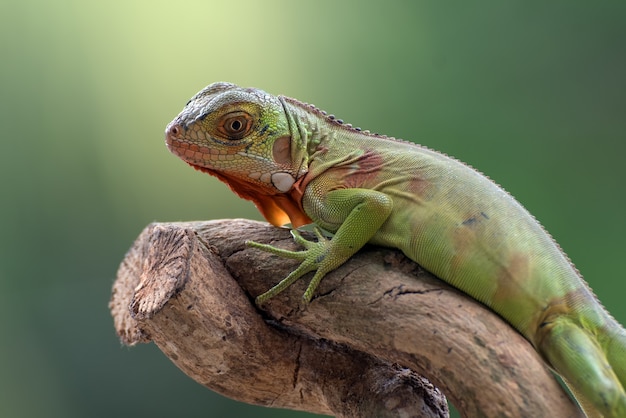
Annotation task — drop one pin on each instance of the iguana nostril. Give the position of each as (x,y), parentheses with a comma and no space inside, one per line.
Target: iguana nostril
(173,131)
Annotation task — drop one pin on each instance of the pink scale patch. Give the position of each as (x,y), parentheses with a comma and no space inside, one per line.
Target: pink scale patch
(365,170)
(419,187)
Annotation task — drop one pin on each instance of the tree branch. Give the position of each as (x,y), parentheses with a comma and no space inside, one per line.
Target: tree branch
(355,351)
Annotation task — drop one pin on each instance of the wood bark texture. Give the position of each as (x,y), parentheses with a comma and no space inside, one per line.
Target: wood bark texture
(376,325)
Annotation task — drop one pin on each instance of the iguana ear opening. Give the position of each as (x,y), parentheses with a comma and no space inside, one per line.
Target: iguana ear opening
(281,151)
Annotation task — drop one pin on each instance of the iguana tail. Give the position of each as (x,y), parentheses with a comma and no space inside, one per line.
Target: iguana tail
(592,364)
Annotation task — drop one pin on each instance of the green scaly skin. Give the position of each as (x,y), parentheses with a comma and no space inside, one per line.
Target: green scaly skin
(298,165)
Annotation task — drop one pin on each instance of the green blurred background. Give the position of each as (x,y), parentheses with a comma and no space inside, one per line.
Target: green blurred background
(531,93)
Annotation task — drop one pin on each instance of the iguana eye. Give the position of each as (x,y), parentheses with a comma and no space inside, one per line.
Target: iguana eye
(235,125)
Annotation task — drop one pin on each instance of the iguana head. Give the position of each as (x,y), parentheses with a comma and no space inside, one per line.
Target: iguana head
(243,136)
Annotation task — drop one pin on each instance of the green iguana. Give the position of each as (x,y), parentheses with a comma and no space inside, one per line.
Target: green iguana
(300,165)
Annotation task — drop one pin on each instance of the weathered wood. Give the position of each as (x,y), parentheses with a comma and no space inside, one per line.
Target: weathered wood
(355,351)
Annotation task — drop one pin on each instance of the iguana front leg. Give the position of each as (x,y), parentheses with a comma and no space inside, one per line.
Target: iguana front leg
(353,214)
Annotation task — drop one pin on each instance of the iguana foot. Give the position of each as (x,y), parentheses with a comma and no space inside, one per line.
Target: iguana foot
(312,258)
